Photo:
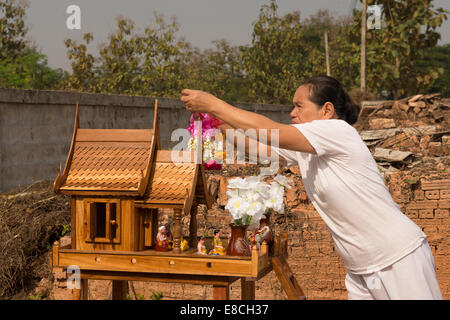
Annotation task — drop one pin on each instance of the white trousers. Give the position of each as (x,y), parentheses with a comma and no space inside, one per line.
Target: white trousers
(411,278)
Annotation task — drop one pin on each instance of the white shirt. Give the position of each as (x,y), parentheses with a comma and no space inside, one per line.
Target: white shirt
(347,190)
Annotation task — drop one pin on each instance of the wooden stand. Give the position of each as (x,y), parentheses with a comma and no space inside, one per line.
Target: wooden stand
(186,267)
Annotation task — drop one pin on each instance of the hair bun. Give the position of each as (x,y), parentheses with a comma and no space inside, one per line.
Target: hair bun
(353,111)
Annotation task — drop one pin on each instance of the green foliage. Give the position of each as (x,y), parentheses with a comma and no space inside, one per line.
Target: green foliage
(21,66)
(28,71)
(35,297)
(156,295)
(154,63)
(437,58)
(409,29)
(218,70)
(66,229)
(284,51)
(278,58)
(12,29)
(148,64)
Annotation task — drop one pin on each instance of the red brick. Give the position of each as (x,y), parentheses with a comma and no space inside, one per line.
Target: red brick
(441,213)
(399,196)
(412,213)
(291,197)
(422,204)
(426,214)
(445,194)
(432,194)
(435,184)
(444,204)
(435,148)
(419,194)
(381,123)
(302,196)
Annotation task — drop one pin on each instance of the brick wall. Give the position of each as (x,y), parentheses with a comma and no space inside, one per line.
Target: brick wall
(423,194)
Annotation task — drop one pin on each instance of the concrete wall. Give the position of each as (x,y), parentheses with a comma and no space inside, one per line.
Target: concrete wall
(36,126)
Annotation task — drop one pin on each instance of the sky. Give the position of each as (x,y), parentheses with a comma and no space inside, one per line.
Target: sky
(200,21)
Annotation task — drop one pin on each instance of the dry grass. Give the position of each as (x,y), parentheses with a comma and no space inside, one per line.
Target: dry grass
(31,219)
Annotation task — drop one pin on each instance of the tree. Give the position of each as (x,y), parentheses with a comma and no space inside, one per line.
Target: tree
(409,29)
(29,71)
(437,58)
(278,58)
(218,70)
(13,31)
(21,65)
(137,64)
(83,75)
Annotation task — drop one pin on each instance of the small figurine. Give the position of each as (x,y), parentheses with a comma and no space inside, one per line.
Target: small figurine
(252,241)
(161,240)
(169,236)
(201,248)
(218,246)
(184,244)
(261,234)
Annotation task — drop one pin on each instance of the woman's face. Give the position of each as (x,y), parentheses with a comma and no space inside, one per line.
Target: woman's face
(305,110)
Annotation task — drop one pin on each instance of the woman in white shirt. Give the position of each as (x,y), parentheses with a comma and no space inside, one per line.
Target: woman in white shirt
(386,254)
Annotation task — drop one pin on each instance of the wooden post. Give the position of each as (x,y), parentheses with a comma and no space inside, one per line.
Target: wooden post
(177,231)
(193,227)
(247,289)
(83,292)
(327,59)
(55,254)
(119,289)
(363,46)
(221,292)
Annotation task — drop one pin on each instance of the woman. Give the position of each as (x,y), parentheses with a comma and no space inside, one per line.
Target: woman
(386,254)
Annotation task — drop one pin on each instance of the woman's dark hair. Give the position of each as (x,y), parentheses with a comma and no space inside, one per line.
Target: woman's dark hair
(327,89)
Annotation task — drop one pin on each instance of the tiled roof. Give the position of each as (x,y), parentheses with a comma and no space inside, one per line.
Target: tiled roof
(108,166)
(171,182)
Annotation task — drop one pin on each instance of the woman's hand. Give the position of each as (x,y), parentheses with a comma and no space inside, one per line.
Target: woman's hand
(199,101)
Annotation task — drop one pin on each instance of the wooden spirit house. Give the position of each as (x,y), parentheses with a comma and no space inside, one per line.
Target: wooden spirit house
(119,180)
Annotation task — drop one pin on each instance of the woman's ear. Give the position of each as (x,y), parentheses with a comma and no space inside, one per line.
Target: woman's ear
(328,111)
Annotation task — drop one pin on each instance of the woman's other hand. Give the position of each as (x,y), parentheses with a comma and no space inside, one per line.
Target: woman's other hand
(198,101)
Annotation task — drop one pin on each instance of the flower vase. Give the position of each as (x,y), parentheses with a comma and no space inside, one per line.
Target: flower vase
(238,245)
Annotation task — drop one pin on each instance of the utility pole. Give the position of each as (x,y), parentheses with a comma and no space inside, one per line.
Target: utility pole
(327,59)
(363,46)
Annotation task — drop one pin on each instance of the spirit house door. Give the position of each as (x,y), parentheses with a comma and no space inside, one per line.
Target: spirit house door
(102,223)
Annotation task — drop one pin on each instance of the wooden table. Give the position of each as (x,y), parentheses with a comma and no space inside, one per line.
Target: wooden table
(121,267)
(220,284)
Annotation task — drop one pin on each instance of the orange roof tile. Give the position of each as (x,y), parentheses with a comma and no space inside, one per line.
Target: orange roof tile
(171,182)
(108,166)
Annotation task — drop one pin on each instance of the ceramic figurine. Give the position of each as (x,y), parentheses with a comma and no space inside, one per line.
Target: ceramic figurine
(218,245)
(261,234)
(169,236)
(252,241)
(184,244)
(161,240)
(201,248)
(265,232)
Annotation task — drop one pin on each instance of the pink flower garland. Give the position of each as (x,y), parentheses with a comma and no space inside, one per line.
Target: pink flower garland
(210,127)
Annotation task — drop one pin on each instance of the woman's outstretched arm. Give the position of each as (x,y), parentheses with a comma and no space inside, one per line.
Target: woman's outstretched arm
(263,152)
(289,137)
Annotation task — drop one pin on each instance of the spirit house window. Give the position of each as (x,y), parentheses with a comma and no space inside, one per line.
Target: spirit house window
(102,221)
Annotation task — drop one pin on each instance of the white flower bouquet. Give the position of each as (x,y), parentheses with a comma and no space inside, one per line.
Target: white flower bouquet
(250,198)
